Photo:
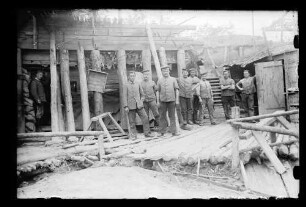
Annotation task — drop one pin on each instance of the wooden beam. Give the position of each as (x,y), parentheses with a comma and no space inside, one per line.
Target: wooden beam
(180,62)
(34,32)
(244,175)
(121,72)
(284,122)
(235,148)
(98,97)
(279,167)
(266,129)
(116,124)
(105,130)
(101,147)
(83,88)
(67,89)
(61,134)
(20,108)
(265,116)
(153,51)
(61,122)
(54,86)
(146,61)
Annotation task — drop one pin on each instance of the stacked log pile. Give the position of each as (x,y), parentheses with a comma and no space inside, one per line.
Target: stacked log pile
(28,104)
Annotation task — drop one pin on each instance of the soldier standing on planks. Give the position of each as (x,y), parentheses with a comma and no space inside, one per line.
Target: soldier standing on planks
(247,95)
(205,95)
(167,100)
(227,93)
(133,103)
(39,98)
(194,97)
(149,89)
(185,91)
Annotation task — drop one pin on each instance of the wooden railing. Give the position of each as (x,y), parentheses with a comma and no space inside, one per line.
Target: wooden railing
(257,132)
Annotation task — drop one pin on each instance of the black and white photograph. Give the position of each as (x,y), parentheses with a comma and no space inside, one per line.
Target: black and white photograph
(156,103)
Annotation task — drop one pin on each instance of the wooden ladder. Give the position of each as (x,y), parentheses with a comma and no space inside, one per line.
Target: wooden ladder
(99,118)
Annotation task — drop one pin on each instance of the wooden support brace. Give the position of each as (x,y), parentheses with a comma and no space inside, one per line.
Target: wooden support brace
(105,130)
(285,123)
(244,175)
(117,125)
(101,147)
(279,167)
(55,134)
(235,148)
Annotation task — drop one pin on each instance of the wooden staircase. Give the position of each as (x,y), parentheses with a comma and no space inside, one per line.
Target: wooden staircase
(216,88)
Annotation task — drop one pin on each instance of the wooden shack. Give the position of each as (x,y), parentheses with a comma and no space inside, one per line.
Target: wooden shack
(58,44)
(276,72)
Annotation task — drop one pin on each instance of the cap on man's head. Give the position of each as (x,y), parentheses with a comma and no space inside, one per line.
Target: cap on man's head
(184,69)
(165,67)
(145,71)
(132,72)
(192,69)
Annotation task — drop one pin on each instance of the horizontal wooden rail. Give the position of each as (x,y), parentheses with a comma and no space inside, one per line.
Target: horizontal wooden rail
(252,118)
(59,134)
(265,128)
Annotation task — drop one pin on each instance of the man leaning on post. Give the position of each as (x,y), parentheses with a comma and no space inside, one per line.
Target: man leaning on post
(167,99)
(133,103)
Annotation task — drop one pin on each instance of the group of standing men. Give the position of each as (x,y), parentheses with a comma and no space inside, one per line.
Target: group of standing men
(184,95)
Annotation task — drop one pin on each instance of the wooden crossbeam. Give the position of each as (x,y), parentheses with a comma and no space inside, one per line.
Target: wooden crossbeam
(252,118)
(265,128)
(116,124)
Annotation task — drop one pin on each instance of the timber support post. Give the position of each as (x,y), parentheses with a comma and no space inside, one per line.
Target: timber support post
(180,62)
(20,108)
(61,122)
(83,88)
(121,71)
(235,148)
(98,96)
(146,61)
(53,74)
(67,89)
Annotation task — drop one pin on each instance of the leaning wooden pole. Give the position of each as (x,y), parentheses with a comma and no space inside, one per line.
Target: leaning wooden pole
(153,51)
(180,62)
(83,88)
(53,74)
(235,148)
(20,108)
(121,71)
(67,90)
(98,96)
(146,61)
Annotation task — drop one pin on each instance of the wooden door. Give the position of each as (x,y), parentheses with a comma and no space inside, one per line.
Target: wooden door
(270,86)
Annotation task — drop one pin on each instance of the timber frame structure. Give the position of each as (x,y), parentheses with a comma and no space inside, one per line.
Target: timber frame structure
(59,41)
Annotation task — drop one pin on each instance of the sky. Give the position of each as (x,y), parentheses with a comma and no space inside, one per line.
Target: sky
(241,20)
